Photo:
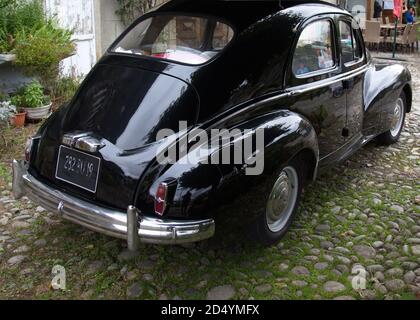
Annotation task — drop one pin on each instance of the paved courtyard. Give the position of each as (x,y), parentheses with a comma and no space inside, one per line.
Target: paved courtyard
(364,215)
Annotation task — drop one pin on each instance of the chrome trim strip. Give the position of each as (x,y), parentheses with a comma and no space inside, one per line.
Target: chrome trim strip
(107,221)
(298,90)
(343,77)
(82,141)
(89,144)
(133,228)
(69,139)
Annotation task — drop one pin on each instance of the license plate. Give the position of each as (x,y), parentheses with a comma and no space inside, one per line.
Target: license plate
(78,168)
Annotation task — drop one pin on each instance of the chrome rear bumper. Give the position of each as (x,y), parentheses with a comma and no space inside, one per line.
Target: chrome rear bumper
(130,225)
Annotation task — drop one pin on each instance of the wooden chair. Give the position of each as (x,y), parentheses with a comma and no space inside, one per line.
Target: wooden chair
(402,39)
(412,35)
(373,33)
(417,28)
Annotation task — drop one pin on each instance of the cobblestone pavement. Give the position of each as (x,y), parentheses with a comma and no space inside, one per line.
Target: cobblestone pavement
(362,216)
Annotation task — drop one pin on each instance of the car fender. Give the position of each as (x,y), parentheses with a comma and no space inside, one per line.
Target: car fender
(196,189)
(382,87)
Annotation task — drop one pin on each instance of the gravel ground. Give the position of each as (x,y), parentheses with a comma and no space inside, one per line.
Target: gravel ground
(360,219)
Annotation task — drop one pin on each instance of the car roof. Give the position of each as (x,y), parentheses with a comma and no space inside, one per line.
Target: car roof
(244,13)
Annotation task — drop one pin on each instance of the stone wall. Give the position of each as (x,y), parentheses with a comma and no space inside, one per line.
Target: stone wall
(108,25)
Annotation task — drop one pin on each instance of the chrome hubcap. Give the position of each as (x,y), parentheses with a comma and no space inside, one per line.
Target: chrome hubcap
(398,118)
(282,200)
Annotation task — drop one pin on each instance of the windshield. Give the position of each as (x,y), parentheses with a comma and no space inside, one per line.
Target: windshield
(185,39)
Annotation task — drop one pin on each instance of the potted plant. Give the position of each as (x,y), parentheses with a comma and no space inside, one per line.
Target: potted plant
(8,111)
(34,102)
(19,114)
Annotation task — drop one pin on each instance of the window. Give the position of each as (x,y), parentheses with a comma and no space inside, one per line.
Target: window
(223,34)
(185,39)
(351,49)
(314,49)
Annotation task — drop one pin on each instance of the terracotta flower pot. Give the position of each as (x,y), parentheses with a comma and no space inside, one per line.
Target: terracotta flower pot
(19,120)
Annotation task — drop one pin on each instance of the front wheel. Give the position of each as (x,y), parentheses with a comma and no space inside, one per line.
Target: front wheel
(393,135)
(282,203)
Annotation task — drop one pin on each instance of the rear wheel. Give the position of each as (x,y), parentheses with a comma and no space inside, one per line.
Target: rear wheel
(282,203)
(393,135)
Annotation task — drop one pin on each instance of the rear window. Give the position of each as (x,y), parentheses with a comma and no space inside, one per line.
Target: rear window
(185,39)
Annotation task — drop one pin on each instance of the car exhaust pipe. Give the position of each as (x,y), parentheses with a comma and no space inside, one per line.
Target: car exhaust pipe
(133,239)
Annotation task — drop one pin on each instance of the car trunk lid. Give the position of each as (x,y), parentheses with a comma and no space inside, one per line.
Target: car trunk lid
(123,109)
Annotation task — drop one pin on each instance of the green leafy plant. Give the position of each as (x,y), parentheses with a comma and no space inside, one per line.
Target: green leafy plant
(40,50)
(31,96)
(17,15)
(17,101)
(34,96)
(37,41)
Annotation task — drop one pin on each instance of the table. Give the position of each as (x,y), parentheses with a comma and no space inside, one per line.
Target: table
(392,26)
(387,28)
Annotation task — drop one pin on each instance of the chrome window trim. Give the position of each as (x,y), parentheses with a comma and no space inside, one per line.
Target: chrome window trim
(292,91)
(317,73)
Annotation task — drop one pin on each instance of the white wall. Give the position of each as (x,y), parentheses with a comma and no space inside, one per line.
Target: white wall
(77,15)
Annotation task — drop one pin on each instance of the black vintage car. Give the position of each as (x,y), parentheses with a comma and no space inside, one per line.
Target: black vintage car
(297,70)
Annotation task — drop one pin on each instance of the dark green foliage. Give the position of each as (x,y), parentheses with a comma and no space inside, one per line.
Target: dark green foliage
(18,15)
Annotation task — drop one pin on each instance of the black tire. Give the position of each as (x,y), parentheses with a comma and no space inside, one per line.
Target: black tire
(391,137)
(260,230)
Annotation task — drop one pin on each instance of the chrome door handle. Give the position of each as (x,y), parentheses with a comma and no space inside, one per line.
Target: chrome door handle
(294,93)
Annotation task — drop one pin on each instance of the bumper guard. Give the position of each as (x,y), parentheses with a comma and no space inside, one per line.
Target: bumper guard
(130,225)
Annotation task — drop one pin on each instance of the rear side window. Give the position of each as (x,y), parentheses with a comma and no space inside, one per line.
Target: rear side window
(351,50)
(314,51)
(223,34)
(185,39)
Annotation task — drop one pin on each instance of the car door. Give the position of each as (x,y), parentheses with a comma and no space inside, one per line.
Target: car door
(315,87)
(353,64)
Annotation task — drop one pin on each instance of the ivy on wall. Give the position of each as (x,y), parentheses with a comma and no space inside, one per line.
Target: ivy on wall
(129,10)
(5,3)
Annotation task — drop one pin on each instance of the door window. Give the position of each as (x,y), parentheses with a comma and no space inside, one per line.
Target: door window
(351,50)
(314,51)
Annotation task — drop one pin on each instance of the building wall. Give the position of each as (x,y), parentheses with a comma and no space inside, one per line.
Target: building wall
(77,15)
(108,25)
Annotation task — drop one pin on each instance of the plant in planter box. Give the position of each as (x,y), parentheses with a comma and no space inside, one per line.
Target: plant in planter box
(33,100)
(39,51)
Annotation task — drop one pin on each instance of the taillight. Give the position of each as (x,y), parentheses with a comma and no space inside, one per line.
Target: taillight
(28,148)
(160,199)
